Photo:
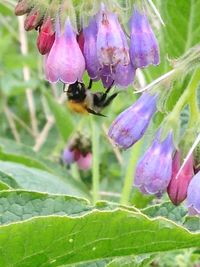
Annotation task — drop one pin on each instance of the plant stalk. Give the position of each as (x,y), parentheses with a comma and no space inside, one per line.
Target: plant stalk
(128,182)
(95,161)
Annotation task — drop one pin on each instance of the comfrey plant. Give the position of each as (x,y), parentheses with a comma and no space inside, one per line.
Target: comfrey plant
(95,38)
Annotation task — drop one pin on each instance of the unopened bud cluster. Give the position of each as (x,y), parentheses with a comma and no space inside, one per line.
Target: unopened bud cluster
(78,151)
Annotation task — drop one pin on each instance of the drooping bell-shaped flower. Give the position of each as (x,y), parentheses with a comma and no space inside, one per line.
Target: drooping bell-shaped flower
(177,188)
(65,61)
(132,123)
(90,50)
(144,48)
(193,196)
(85,161)
(46,37)
(112,47)
(154,169)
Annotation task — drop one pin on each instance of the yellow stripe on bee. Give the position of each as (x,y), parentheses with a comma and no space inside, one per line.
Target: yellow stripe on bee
(77,107)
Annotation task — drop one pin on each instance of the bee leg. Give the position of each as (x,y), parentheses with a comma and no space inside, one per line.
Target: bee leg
(95,113)
(90,84)
(104,95)
(108,89)
(109,100)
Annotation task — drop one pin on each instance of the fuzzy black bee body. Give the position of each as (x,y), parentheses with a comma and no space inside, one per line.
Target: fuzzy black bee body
(82,100)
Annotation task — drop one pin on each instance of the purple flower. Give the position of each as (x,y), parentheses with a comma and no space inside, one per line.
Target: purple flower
(193,195)
(154,169)
(132,123)
(65,61)
(68,156)
(90,50)
(144,48)
(124,75)
(177,188)
(112,47)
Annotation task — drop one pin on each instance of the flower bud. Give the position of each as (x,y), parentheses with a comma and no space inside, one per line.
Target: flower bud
(154,169)
(193,196)
(85,161)
(144,48)
(177,188)
(81,40)
(22,8)
(132,123)
(65,61)
(33,20)
(46,37)
(112,47)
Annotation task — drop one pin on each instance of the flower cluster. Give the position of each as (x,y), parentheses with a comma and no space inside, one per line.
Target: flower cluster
(78,151)
(159,169)
(101,47)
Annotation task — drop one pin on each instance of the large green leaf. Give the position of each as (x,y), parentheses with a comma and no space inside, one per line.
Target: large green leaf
(132,261)
(11,151)
(167,210)
(95,235)
(21,205)
(20,176)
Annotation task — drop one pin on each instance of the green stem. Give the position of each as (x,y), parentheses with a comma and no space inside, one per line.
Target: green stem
(126,191)
(75,172)
(95,161)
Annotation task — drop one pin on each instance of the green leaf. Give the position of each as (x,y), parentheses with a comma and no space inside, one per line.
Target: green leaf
(5,10)
(11,151)
(38,180)
(182,28)
(3,186)
(192,223)
(62,117)
(95,235)
(132,261)
(22,205)
(167,210)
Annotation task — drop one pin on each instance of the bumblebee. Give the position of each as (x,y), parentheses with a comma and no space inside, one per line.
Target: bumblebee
(82,100)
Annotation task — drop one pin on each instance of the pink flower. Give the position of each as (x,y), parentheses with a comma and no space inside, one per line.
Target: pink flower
(65,61)
(85,161)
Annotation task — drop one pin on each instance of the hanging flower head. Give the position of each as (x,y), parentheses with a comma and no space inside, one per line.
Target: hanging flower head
(65,61)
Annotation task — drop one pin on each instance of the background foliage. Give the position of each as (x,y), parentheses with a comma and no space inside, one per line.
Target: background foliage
(48,213)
